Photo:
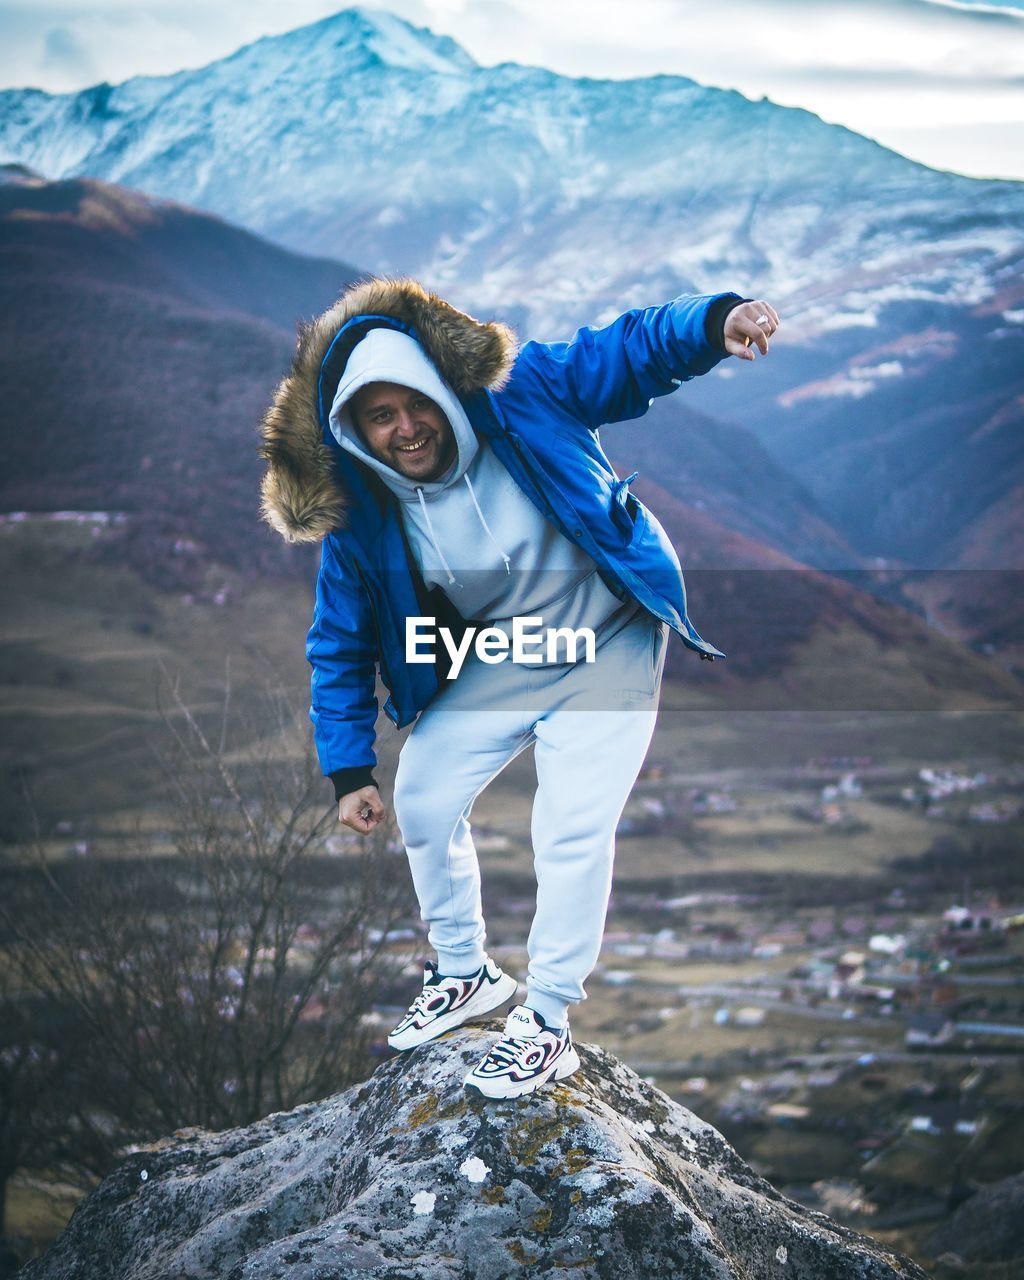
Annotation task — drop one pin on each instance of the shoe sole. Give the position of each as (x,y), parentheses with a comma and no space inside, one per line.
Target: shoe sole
(489,997)
(564,1066)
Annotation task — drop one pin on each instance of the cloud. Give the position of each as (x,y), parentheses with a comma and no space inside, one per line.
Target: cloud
(64,54)
(980,149)
(61,45)
(982,9)
(909,78)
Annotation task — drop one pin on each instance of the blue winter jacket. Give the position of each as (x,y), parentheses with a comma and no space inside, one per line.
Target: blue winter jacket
(540,409)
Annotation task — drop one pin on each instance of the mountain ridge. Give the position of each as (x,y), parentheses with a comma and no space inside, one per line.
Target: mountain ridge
(535,149)
(551,201)
(149,265)
(174,327)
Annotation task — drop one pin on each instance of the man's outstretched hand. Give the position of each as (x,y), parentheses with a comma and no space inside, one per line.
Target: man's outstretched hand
(362,810)
(743,332)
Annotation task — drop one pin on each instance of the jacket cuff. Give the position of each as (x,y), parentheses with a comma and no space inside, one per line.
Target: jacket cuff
(348,780)
(714,318)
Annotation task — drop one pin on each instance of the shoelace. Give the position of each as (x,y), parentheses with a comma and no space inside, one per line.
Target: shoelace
(424,998)
(510,1050)
(420,1003)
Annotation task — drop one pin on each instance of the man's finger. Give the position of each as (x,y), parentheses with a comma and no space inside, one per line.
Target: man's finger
(373,807)
(763,311)
(362,817)
(753,333)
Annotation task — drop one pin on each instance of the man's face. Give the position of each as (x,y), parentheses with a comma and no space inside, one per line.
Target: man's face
(404,429)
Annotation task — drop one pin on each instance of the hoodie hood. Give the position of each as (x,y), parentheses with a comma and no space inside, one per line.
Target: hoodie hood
(302,495)
(388,355)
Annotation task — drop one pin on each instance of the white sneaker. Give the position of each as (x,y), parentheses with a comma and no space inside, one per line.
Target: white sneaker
(447,1002)
(528,1056)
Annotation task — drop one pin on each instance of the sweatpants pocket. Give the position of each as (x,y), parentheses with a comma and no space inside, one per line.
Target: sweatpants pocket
(634,659)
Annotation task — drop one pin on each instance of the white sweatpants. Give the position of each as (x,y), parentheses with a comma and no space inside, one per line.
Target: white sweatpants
(592,725)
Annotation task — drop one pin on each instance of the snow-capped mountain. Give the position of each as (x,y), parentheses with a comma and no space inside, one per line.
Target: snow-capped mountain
(366,138)
(894,390)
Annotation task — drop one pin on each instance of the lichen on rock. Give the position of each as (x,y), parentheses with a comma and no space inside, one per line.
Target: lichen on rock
(408,1177)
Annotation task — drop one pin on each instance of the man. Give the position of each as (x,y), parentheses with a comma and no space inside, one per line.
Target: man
(454,478)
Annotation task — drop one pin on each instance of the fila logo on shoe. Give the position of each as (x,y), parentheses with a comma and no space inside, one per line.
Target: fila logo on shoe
(525,1020)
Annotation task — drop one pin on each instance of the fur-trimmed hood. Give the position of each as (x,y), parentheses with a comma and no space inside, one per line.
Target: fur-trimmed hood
(301,497)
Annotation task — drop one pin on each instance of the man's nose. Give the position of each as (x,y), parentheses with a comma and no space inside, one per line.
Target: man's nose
(406,423)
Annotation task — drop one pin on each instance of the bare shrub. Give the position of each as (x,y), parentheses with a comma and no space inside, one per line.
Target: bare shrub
(223,977)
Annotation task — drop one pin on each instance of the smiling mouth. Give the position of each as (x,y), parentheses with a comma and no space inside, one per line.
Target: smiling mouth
(413,448)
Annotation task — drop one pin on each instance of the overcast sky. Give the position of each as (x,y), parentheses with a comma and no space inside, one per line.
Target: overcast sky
(942,82)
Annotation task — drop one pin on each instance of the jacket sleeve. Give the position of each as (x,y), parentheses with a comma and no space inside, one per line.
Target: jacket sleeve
(342,649)
(612,374)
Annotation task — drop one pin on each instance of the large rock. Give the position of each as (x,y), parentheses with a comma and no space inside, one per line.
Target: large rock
(408,1177)
(989,1227)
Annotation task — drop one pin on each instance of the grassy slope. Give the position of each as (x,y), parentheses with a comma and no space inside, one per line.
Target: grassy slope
(83,646)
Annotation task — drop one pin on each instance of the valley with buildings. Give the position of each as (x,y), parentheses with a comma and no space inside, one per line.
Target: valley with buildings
(824,958)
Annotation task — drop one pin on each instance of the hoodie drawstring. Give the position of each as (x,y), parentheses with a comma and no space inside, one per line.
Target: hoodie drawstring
(487,527)
(433,538)
(480,515)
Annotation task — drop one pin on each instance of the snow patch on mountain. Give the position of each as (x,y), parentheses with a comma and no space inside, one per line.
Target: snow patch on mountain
(364,137)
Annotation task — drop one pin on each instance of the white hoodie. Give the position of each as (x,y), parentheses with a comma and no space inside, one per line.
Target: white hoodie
(482,540)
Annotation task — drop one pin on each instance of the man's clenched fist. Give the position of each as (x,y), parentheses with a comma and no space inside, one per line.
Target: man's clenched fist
(750,325)
(361,810)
